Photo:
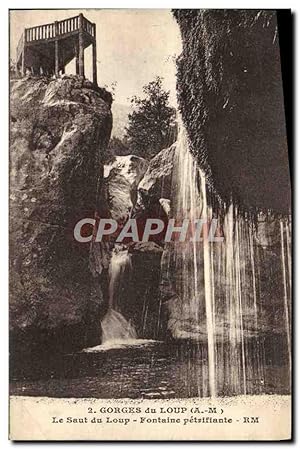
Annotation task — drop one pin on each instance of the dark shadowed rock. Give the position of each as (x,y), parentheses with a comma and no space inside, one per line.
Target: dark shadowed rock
(143,305)
(230,95)
(59,132)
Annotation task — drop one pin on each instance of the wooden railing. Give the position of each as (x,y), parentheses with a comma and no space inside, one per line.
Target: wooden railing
(88,27)
(40,32)
(68,25)
(55,29)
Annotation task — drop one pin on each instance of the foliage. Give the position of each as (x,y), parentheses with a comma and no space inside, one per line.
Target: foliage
(152,121)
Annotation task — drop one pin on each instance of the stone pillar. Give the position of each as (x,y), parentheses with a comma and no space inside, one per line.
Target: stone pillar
(94,57)
(56,69)
(81,46)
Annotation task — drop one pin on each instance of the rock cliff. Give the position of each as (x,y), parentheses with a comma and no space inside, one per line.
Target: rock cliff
(59,132)
(230,95)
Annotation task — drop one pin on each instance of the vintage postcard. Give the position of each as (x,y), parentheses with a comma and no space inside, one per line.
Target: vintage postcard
(150,226)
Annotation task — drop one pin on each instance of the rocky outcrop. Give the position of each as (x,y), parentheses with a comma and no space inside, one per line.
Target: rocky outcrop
(122,177)
(139,293)
(59,132)
(153,201)
(157,181)
(230,95)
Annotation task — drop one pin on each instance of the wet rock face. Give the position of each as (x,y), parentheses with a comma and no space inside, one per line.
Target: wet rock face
(59,132)
(145,308)
(230,95)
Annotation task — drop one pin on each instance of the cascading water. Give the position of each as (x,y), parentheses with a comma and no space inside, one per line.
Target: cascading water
(231,306)
(222,297)
(114,325)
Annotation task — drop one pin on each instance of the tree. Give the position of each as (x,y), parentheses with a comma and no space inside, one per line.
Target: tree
(152,122)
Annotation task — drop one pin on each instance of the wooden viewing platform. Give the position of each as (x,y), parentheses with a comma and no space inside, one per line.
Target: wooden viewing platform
(47,49)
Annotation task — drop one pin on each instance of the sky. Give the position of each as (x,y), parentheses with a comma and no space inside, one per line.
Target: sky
(133,46)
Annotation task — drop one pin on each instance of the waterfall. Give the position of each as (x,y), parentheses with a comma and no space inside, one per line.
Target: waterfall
(209,295)
(285,259)
(221,289)
(114,325)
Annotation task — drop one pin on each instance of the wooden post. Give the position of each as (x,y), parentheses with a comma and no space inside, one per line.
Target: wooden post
(76,58)
(81,46)
(94,57)
(56,50)
(56,59)
(62,59)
